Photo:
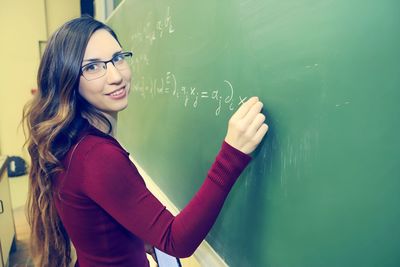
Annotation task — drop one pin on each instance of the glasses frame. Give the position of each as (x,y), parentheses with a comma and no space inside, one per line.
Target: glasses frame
(124,54)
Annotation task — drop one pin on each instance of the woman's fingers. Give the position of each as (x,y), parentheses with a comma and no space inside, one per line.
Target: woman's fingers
(256,124)
(244,108)
(254,111)
(261,132)
(246,127)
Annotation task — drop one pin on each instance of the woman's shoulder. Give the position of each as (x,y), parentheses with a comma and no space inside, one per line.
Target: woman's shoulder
(95,142)
(100,143)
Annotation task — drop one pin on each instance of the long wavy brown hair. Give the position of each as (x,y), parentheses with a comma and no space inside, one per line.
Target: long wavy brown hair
(53,121)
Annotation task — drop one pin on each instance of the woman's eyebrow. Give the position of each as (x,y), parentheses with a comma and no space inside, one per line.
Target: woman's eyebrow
(98,59)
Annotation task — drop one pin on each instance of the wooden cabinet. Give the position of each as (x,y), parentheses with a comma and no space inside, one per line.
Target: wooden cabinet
(7,228)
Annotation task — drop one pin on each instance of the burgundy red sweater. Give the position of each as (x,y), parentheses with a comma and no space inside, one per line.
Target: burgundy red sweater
(109,213)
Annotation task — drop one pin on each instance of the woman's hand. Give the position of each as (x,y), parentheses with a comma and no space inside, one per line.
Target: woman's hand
(246,127)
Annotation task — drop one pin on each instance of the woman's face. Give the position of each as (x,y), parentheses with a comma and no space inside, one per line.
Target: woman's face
(108,93)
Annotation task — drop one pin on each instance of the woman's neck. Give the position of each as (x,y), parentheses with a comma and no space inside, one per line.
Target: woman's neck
(112,118)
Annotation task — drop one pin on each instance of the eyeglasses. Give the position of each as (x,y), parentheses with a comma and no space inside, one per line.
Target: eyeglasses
(97,69)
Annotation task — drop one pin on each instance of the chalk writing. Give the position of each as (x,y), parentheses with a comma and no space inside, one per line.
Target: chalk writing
(223,96)
(153,29)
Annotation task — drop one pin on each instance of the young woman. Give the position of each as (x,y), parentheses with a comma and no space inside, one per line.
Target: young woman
(83,187)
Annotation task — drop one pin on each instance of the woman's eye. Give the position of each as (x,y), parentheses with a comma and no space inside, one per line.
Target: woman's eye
(92,67)
(118,58)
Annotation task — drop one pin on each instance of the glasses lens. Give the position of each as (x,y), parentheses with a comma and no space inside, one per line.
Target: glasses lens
(94,70)
(123,60)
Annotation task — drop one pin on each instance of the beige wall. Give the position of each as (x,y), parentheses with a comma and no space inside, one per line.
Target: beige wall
(23,24)
(60,11)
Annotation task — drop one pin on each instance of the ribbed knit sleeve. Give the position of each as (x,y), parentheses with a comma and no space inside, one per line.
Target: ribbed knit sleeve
(228,165)
(113,182)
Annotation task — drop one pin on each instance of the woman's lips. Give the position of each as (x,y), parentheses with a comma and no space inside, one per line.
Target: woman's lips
(117,94)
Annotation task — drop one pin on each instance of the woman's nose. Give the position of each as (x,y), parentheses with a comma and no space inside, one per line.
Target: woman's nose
(113,74)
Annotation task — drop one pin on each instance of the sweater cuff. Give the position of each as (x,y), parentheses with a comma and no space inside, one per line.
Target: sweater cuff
(228,165)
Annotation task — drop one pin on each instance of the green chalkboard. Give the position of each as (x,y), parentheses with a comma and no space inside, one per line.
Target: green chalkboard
(323,188)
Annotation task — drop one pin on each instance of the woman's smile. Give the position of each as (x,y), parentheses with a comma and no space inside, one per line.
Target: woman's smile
(118,94)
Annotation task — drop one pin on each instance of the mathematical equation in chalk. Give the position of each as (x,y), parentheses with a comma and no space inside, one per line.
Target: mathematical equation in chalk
(153,31)
(223,96)
(139,61)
